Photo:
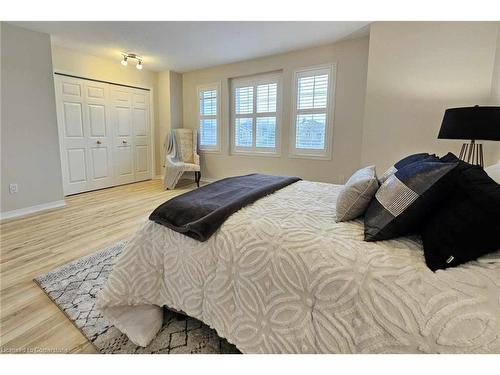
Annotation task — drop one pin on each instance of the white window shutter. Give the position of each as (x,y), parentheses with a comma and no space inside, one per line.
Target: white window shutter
(209,118)
(311,125)
(255,119)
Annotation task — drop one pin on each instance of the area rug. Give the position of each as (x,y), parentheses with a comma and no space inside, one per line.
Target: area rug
(73,287)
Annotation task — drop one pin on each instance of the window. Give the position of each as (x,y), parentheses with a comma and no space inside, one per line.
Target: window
(255,115)
(311,134)
(209,118)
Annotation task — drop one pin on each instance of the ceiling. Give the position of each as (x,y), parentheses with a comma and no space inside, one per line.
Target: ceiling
(185,46)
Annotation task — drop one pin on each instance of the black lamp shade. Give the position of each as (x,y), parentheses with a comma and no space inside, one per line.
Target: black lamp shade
(473,123)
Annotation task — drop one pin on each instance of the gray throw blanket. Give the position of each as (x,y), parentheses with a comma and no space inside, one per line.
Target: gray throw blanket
(173,161)
(199,213)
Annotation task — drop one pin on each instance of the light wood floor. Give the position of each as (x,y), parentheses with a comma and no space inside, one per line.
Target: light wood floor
(29,321)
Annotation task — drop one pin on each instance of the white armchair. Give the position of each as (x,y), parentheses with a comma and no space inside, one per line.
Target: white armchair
(181,156)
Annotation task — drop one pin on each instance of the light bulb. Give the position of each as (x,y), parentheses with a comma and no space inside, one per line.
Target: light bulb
(124,61)
(139,65)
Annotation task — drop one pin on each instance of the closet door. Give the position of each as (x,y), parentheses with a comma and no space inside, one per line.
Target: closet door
(71,119)
(104,134)
(140,126)
(83,117)
(123,139)
(100,139)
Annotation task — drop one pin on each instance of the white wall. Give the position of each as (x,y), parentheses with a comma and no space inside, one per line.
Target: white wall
(495,82)
(176,103)
(88,66)
(350,57)
(494,148)
(164,114)
(29,140)
(415,71)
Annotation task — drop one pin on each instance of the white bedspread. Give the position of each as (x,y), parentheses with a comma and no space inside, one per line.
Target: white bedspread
(280,276)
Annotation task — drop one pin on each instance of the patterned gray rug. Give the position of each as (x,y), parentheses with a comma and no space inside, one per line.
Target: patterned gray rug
(73,287)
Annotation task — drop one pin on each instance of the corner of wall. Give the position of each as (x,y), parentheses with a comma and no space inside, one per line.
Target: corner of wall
(32,162)
(170,109)
(176,101)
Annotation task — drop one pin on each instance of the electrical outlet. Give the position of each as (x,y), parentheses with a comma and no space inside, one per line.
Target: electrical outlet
(341,179)
(13,188)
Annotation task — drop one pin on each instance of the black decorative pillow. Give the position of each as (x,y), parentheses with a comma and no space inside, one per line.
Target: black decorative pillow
(450,157)
(467,225)
(406,161)
(407,198)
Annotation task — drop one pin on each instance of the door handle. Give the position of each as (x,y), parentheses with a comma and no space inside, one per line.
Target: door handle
(124,141)
(98,142)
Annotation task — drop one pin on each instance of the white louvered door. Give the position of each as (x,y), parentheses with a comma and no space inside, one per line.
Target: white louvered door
(104,134)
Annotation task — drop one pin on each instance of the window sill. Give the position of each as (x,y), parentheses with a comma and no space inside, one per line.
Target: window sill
(325,157)
(264,154)
(209,151)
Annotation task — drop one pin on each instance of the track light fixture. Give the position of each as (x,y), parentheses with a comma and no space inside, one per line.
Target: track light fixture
(126,56)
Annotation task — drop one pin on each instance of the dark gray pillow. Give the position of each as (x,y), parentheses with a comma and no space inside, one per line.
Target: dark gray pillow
(357,194)
(406,198)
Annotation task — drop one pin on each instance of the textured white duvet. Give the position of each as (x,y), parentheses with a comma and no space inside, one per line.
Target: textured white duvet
(280,276)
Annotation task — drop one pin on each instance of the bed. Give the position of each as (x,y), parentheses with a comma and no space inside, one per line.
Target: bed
(281,276)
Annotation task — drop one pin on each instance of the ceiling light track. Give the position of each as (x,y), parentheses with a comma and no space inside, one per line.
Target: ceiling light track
(133,56)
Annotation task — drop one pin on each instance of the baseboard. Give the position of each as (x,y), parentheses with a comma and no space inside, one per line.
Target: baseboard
(204,179)
(208,180)
(7,215)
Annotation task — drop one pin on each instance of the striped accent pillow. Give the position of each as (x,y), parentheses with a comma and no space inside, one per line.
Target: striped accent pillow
(396,196)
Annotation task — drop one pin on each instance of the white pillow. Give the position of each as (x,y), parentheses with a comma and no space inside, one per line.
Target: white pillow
(490,258)
(494,172)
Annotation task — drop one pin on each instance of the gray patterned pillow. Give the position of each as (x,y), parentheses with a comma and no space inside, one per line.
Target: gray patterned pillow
(357,194)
